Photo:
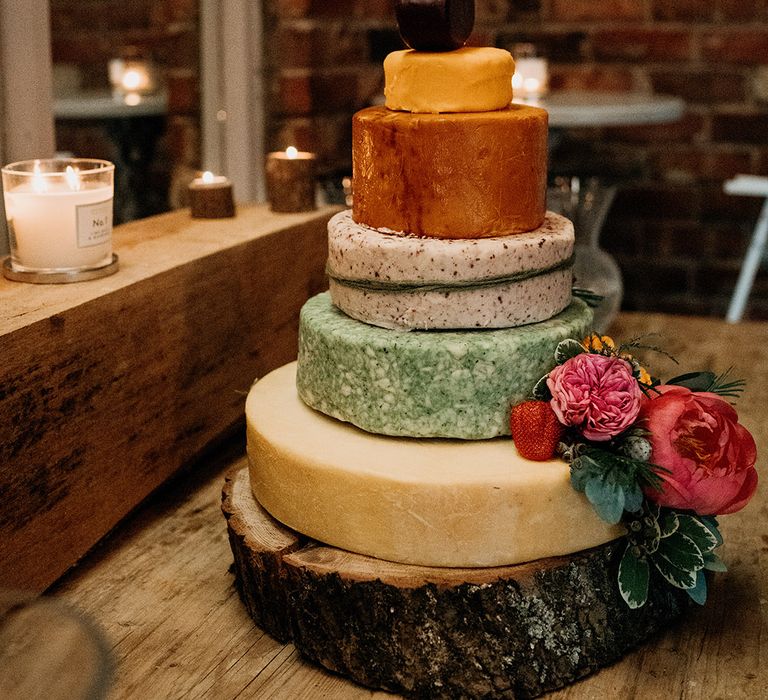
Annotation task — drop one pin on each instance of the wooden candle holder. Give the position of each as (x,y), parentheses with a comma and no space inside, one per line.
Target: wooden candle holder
(211,199)
(291,181)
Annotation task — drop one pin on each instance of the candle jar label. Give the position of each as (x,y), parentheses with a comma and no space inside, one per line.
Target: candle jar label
(94,223)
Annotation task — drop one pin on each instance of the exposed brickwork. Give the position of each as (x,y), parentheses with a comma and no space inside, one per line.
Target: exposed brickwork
(677,236)
(88,33)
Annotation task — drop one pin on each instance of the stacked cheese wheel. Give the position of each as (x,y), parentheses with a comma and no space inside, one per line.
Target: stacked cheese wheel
(390,443)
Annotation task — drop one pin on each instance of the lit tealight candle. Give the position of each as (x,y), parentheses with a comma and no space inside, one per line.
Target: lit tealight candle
(59,215)
(291,180)
(531,79)
(210,197)
(132,77)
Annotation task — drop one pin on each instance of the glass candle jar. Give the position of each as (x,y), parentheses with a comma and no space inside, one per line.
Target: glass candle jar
(59,215)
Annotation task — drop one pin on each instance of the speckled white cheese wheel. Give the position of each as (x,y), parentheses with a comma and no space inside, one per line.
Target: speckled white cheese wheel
(457,384)
(427,502)
(405,282)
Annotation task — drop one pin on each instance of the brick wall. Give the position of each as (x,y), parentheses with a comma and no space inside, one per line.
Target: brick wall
(88,33)
(677,237)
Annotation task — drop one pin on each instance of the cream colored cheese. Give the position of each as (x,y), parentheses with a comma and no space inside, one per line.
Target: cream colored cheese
(428,502)
(470,79)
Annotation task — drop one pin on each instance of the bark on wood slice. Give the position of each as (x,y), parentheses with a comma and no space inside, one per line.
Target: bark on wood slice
(503,632)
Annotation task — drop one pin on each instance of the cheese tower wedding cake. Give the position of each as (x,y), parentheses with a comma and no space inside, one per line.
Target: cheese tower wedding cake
(450,287)
(425,551)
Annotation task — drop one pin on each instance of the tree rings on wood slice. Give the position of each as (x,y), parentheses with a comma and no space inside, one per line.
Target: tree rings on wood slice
(502,632)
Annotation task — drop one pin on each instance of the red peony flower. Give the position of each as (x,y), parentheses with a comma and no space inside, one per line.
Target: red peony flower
(596,394)
(711,456)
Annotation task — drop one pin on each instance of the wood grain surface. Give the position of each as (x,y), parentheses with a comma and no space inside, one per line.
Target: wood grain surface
(107,387)
(162,590)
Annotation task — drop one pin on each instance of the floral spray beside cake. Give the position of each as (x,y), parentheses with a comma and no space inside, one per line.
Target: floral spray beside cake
(662,459)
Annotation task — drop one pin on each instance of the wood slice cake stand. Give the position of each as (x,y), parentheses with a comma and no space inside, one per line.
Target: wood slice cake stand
(502,632)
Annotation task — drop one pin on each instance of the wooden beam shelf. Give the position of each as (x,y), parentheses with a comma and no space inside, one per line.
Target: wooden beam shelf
(109,387)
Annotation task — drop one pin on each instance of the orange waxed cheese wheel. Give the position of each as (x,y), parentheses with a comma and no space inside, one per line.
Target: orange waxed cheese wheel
(470,175)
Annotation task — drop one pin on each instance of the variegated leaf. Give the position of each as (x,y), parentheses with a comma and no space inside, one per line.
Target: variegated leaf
(566,349)
(696,530)
(634,574)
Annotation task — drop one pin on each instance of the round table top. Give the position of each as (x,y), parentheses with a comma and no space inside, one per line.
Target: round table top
(103,105)
(584,109)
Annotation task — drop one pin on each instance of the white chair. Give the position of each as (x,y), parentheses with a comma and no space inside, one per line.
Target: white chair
(748,186)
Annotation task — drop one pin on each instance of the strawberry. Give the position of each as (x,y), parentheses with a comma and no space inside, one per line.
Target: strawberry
(535,430)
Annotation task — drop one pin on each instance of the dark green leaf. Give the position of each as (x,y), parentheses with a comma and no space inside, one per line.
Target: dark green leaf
(668,522)
(633,579)
(607,498)
(714,563)
(695,381)
(680,578)
(710,522)
(681,551)
(699,592)
(566,349)
(692,527)
(541,391)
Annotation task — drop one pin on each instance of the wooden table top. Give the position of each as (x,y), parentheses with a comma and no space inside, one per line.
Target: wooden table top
(161,589)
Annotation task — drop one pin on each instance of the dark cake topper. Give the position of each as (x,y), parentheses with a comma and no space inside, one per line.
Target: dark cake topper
(435,25)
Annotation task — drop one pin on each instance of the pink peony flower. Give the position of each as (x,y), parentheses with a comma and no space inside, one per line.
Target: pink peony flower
(596,394)
(711,456)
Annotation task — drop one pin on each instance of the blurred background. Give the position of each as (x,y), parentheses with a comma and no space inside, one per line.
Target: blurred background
(677,237)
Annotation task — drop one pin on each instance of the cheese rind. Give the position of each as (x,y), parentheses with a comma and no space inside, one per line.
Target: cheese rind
(457,384)
(407,282)
(471,175)
(357,252)
(470,79)
(426,502)
(503,305)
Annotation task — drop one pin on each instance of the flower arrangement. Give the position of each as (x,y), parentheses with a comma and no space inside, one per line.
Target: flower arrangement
(662,459)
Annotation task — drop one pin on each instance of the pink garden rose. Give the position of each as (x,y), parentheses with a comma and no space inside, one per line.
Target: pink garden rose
(711,456)
(596,394)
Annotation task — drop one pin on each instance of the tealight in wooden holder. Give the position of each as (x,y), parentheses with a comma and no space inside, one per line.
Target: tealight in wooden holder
(291,180)
(211,197)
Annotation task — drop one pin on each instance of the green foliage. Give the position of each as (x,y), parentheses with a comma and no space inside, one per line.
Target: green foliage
(566,349)
(634,575)
(678,546)
(611,482)
(709,381)
(541,391)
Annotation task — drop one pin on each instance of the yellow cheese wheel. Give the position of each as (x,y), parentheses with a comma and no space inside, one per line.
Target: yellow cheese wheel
(465,80)
(470,175)
(442,502)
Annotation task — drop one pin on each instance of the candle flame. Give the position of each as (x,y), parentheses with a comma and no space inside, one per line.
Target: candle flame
(38,181)
(132,79)
(292,153)
(72,176)
(208,177)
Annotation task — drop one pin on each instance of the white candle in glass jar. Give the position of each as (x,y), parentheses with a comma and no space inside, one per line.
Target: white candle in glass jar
(59,221)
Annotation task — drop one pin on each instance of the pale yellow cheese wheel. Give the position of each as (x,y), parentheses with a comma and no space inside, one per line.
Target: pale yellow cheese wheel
(442,502)
(470,79)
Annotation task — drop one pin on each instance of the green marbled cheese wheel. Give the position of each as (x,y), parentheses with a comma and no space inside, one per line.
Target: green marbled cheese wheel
(457,384)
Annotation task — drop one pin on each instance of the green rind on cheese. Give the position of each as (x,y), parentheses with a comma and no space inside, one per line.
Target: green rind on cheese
(427,502)
(457,384)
